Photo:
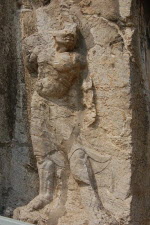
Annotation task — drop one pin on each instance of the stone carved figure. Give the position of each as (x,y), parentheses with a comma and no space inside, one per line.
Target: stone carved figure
(65,66)
(54,147)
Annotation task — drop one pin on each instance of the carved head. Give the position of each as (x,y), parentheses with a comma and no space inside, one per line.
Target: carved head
(66,38)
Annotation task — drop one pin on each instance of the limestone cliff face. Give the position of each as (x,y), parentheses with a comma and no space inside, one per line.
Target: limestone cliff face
(77,97)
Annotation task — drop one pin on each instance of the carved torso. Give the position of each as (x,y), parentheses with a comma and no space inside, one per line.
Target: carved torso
(56,74)
(63,69)
(53,116)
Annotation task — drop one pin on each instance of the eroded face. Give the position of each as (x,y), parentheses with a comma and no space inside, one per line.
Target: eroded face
(66,39)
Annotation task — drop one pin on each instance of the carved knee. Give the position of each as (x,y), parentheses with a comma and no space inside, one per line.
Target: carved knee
(44,163)
(78,166)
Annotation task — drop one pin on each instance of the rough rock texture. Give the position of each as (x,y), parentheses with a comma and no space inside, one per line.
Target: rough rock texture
(17,178)
(140,116)
(86,67)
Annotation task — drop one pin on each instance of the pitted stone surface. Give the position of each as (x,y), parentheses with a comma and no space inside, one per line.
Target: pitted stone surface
(85,66)
(80,113)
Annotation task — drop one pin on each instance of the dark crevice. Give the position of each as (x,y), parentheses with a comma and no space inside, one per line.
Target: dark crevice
(140,182)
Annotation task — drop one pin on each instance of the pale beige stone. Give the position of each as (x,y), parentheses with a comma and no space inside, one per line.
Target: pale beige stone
(87,87)
(77,130)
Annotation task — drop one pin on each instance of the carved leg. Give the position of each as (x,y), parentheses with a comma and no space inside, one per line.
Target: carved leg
(46,169)
(83,174)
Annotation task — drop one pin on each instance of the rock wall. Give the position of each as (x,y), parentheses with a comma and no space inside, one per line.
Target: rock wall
(81,106)
(15,155)
(140,114)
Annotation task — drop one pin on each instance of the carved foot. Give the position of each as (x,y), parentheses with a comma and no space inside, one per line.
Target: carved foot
(39,202)
(31,213)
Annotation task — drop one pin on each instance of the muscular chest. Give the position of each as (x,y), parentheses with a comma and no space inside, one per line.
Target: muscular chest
(64,62)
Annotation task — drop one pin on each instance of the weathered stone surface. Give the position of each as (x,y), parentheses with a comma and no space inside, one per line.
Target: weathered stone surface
(80,113)
(15,151)
(86,85)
